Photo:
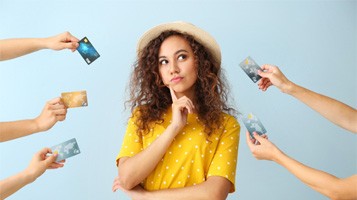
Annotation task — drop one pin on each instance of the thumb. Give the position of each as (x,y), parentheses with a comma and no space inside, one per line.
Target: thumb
(74,45)
(265,70)
(69,45)
(263,74)
(51,159)
(259,138)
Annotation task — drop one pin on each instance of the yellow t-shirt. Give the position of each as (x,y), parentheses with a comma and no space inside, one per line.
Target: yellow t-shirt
(192,157)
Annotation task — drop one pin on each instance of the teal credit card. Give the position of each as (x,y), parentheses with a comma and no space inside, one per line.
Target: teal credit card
(66,149)
(253,124)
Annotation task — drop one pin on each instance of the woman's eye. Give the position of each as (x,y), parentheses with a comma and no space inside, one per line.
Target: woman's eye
(163,62)
(182,57)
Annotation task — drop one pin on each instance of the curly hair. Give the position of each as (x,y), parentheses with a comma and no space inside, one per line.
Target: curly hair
(150,98)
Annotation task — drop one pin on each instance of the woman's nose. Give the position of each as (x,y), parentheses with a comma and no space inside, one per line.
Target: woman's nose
(174,68)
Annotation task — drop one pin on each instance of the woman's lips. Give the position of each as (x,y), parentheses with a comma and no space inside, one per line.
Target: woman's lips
(176,79)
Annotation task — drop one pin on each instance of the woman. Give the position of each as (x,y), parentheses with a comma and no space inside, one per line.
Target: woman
(181,141)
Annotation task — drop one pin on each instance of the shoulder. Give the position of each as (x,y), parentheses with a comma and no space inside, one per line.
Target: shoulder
(228,119)
(230,125)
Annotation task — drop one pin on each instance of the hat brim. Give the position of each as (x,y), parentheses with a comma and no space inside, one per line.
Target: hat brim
(200,35)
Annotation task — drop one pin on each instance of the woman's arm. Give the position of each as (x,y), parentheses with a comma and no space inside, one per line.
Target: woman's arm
(326,184)
(335,111)
(133,170)
(38,165)
(215,188)
(17,129)
(12,48)
(53,111)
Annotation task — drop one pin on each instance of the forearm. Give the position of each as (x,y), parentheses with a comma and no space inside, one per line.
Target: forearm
(333,110)
(17,129)
(12,48)
(135,169)
(320,181)
(197,192)
(14,183)
(215,188)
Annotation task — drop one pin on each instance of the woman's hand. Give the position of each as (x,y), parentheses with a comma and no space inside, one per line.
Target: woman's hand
(180,109)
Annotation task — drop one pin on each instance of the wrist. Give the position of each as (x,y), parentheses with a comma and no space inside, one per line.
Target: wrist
(173,129)
(277,156)
(288,88)
(28,176)
(44,43)
(35,125)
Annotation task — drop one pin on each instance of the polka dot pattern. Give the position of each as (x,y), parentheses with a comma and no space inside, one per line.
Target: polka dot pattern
(192,157)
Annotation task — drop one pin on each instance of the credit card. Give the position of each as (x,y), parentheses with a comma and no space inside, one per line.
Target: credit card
(87,50)
(253,124)
(66,149)
(250,67)
(74,99)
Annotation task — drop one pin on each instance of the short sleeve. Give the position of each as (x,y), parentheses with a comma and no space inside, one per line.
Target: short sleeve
(224,162)
(132,144)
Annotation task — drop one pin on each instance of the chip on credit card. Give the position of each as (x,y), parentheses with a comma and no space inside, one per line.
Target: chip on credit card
(253,124)
(250,67)
(87,50)
(66,149)
(74,99)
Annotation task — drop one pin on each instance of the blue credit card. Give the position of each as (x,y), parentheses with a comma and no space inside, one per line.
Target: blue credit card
(87,51)
(253,124)
(250,67)
(66,149)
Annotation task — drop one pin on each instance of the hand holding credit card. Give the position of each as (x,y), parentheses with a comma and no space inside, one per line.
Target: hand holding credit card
(250,67)
(66,149)
(87,51)
(74,99)
(253,124)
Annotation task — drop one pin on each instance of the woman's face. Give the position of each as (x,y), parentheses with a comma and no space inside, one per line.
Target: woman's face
(177,66)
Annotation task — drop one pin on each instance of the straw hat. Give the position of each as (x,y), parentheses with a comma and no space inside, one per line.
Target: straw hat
(200,35)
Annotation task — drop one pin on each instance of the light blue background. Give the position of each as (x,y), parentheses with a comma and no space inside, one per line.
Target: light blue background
(313,42)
